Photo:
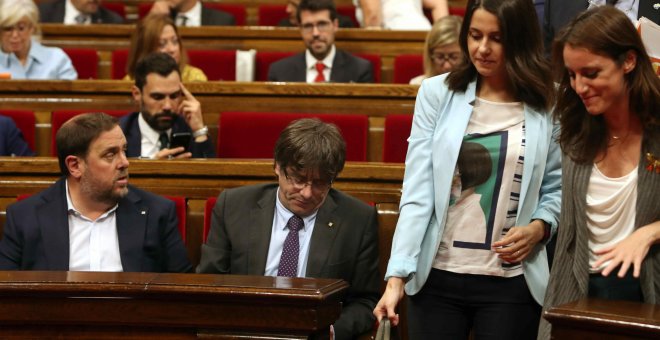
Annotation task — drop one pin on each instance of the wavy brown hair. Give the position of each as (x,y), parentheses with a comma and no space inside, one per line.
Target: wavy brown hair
(608,32)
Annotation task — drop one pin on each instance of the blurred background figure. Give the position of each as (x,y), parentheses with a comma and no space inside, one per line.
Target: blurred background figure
(292,20)
(441,50)
(192,13)
(399,14)
(12,142)
(78,12)
(157,33)
(22,56)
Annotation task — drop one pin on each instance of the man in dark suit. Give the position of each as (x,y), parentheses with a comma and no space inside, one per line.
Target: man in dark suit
(167,110)
(322,61)
(301,227)
(92,219)
(292,20)
(79,12)
(11,139)
(557,13)
(192,13)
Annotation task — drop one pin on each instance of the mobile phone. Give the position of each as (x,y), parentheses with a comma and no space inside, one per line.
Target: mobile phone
(180,139)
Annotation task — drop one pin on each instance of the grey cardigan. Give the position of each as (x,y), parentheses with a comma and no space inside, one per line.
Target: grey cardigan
(569,277)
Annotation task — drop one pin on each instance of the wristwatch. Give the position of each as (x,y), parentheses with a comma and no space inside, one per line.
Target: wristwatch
(201,132)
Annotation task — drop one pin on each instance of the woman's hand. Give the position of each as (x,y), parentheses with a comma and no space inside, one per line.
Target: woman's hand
(389,300)
(516,245)
(631,250)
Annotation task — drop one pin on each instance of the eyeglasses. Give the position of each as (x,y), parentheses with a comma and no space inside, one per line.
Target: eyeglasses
(20,28)
(322,26)
(452,58)
(300,184)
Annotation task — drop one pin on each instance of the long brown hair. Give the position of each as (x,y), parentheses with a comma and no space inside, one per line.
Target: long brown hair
(146,39)
(527,69)
(608,32)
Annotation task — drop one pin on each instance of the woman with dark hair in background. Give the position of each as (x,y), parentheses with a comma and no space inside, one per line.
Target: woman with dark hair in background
(609,111)
(500,98)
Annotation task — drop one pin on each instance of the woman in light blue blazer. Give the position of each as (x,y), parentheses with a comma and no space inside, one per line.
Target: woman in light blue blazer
(472,253)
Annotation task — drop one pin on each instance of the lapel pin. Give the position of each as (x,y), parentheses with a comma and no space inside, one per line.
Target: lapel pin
(330,224)
(144,212)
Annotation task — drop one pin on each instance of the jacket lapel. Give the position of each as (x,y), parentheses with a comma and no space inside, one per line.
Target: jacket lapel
(326,228)
(260,224)
(337,73)
(534,129)
(53,221)
(131,229)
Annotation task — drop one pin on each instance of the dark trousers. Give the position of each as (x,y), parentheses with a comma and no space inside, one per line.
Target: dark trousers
(614,288)
(450,305)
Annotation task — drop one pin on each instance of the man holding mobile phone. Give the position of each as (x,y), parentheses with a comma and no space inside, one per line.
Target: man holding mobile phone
(170,123)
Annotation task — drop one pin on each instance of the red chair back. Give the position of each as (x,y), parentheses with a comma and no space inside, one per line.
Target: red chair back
(208,213)
(395,139)
(180,204)
(117,7)
(217,65)
(253,134)
(264,59)
(407,66)
(349,11)
(25,121)
(21,197)
(85,61)
(118,64)
(238,11)
(60,117)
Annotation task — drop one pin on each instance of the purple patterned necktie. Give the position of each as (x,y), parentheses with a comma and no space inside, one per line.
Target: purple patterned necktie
(289,261)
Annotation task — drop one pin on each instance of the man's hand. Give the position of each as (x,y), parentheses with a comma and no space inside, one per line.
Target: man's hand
(176,153)
(191,110)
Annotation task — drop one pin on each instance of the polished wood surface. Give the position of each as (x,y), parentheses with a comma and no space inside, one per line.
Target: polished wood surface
(604,320)
(87,305)
(376,101)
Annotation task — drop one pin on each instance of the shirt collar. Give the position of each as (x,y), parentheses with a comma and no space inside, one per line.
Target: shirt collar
(72,209)
(286,214)
(194,14)
(327,61)
(147,131)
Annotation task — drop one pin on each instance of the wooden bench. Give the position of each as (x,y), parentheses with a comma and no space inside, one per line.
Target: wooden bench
(376,101)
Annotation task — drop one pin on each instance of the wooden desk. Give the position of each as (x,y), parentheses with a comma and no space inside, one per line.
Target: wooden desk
(376,101)
(604,320)
(83,305)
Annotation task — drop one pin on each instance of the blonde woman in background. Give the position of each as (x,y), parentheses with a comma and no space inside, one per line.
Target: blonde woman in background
(157,33)
(21,55)
(441,50)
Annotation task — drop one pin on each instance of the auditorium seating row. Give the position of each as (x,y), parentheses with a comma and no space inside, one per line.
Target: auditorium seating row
(221,64)
(253,134)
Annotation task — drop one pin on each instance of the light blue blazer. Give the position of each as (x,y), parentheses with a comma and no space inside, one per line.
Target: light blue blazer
(439,125)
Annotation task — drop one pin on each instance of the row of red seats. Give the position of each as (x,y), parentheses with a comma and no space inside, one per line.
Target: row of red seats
(406,66)
(238,132)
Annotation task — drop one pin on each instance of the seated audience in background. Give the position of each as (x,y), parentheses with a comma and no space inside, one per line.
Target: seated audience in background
(91,219)
(399,14)
(301,226)
(78,12)
(192,13)
(441,50)
(609,111)
(157,33)
(11,139)
(322,61)
(166,109)
(292,20)
(558,13)
(22,56)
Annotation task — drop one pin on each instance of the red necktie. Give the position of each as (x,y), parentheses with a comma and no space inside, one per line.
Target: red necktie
(320,78)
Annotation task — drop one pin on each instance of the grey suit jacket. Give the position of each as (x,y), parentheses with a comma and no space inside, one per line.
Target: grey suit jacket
(36,234)
(212,17)
(240,234)
(346,68)
(569,277)
(54,12)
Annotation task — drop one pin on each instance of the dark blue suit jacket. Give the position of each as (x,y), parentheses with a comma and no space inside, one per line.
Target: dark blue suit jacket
(54,12)
(129,124)
(346,68)
(36,234)
(11,139)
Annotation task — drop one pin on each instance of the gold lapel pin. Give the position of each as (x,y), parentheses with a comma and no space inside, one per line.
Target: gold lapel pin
(330,224)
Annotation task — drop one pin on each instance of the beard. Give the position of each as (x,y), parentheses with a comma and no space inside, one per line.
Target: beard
(91,187)
(159,121)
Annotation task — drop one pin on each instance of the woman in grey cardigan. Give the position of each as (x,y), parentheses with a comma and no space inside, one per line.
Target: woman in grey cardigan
(609,111)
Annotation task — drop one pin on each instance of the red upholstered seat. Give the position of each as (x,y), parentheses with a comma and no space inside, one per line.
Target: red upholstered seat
(85,61)
(117,7)
(217,65)
(21,197)
(395,140)
(208,211)
(407,66)
(253,134)
(271,15)
(238,11)
(263,61)
(25,122)
(181,205)
(460,11)
(118,64)
(60,117)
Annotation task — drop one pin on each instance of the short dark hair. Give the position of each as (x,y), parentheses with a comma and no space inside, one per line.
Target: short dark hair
(157,62)
(317,6)
(77,134)
(310,145)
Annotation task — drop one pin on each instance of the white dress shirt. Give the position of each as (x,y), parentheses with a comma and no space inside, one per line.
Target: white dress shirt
(150,139)
(70,14)
(310,61)
(193,16)
(629,7)
(93,245)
